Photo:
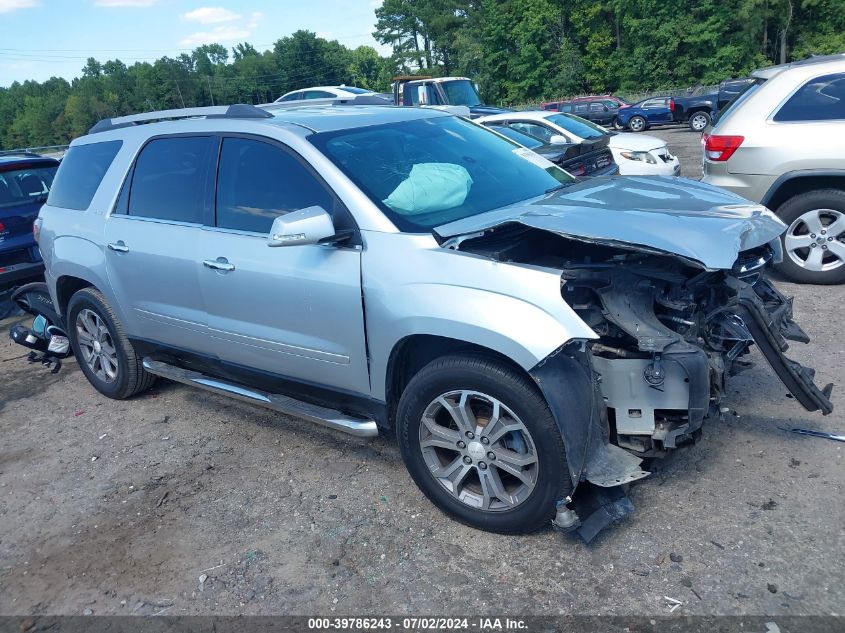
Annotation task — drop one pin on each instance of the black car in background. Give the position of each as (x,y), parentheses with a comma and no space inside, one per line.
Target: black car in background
(25,181)
(587,159)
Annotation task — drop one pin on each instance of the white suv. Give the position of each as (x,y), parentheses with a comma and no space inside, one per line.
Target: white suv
(781,143)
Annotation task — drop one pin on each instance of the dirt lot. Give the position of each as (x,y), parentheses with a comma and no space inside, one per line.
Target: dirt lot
(187,503)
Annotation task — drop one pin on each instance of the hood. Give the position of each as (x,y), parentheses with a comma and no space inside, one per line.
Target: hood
(636,142)
(675,216)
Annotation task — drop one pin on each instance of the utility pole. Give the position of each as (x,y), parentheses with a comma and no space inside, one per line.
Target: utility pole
(208,77)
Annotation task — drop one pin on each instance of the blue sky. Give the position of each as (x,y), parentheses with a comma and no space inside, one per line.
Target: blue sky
(44,38)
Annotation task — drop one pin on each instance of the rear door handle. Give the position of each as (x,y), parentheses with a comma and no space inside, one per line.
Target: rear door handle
(221,263)
(118,246)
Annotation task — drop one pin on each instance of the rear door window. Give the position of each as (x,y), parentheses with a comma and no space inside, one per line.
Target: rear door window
(80,174)
(170,179)
(317,94)
(820,99)
(259,181)
(538,131)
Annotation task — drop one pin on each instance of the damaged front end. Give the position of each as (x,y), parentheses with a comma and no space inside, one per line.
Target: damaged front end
(671,331)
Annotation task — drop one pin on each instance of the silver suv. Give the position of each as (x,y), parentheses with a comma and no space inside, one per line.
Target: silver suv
(402,270)
(782,143)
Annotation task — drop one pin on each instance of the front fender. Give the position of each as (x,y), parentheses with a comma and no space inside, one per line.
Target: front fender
(517,311)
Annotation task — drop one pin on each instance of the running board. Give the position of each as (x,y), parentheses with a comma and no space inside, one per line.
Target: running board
(313,413)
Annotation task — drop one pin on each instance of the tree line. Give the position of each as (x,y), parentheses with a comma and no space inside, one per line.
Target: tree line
(517,50)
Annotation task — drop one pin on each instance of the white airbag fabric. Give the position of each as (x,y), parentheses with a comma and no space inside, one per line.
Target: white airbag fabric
(430,187)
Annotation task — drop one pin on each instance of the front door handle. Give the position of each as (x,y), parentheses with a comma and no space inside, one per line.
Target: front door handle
(118,247)
(221,263)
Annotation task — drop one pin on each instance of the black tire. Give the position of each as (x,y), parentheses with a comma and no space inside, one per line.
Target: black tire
(641,124)
(616,125)
(131,377)
(520,395)
(698,121)
(790,211)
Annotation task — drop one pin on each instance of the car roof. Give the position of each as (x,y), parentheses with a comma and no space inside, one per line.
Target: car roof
(328,117)
(836,62)
(25,159)
(521,114)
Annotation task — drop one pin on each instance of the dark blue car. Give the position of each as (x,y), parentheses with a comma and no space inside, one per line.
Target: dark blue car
(25,180)
(645,114)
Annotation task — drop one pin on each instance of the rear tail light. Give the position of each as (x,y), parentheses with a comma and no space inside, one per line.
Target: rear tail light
(578,170)
(721,148)
(671,105)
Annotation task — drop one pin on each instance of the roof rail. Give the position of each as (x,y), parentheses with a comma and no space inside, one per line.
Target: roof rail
(236,111)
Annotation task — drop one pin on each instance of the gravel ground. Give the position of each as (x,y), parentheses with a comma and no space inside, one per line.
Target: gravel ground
(187,503)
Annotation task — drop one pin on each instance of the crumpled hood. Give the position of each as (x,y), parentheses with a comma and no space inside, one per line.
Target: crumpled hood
(677,216)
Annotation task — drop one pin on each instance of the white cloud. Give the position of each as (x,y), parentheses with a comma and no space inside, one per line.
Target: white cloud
(216,35)
(7,6)
(125,3)
(254,19)
(211,15)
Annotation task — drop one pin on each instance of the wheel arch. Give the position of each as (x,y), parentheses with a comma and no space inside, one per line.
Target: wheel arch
(795,183)
(410,354)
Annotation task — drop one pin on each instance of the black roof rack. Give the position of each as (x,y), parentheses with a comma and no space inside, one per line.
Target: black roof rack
(236,111)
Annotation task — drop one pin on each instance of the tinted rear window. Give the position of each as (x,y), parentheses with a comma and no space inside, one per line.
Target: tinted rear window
(169,182)
(80,174)
(820,99)
(28,183)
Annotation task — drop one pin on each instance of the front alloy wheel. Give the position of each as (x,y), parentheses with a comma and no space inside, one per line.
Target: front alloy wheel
(478,438)
(478,450)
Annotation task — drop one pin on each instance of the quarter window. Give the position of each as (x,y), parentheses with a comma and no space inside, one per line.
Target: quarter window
(820,99)
(258,182)
(169,182)
(80,174)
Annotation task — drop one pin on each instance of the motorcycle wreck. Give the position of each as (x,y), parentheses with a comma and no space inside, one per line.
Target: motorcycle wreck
(676,299)
(46,338)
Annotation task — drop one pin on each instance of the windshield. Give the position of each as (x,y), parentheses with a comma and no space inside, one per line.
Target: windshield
(461,92)
(431,171)
(741,96)
(577,126)
(26,184)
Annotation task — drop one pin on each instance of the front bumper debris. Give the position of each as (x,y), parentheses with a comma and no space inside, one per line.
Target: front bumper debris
(767,315)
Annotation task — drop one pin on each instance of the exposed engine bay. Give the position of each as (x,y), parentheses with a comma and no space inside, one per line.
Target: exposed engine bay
(671,332)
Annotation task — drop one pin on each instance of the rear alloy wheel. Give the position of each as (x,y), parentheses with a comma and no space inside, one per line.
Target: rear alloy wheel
(637,124)
(617,125)
(479,440)
(814,243)
(699,121)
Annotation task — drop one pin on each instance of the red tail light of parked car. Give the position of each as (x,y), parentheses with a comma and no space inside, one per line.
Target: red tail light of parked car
(720,148)
(671,105)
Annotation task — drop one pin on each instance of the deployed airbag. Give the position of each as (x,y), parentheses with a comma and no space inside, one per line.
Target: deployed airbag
(430,187)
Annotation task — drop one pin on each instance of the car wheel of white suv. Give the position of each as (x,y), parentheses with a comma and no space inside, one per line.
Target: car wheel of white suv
(814,243)
(481,443)
(101,348)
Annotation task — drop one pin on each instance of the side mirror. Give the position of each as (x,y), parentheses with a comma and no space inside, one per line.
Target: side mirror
(606,109)
(311,225)
(558,139)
